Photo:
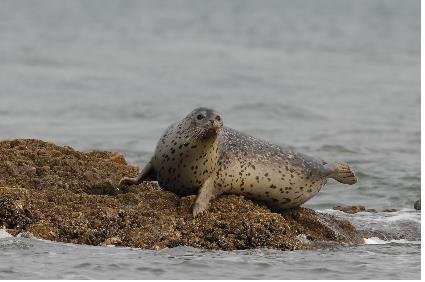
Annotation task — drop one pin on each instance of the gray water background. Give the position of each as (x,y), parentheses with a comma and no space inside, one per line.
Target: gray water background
(338,80)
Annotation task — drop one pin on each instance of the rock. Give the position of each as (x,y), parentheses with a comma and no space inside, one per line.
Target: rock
(350,209)
(75,201)
(112,241)
(389,210)
(25,234)
(13,232)
(359,208)
(371,210)
(417,205)
(118,158)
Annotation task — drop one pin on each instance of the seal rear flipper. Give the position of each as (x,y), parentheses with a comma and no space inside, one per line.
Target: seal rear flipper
(146,174)
(342,172)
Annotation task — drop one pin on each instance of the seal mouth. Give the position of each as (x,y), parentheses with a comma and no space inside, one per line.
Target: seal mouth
(216,124)
(210,132)
(211,129)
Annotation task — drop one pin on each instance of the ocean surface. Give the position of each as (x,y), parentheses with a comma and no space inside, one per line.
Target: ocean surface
(336,79)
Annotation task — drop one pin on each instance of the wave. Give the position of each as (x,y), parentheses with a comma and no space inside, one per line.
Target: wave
(378,241)
(4,234)
(403,226)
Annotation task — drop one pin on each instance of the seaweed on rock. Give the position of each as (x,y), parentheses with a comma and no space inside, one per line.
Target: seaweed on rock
(60,194)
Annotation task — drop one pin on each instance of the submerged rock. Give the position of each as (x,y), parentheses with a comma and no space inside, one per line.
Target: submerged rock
(360,208)
(353,209)
(390,210)
(60,194)
(417,205)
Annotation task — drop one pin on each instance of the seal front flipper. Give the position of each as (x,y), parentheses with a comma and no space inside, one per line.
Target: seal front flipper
(207,192)
(146,174)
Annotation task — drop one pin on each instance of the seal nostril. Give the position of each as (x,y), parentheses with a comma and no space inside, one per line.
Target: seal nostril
(218,118)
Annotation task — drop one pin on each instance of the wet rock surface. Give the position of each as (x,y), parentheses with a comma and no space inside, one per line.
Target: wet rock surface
(350,209)
(360,208)
(57,193)
(417,205)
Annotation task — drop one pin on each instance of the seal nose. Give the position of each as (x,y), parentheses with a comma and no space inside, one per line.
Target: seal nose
(216,122)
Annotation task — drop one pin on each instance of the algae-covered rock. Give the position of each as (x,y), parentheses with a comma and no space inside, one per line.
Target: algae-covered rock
(60,194)
(350,209)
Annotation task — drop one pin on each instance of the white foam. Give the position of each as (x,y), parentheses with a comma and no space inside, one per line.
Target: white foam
(405,216)
(4,234)
(377,241)
(302,238)
(403,221)
(386,217)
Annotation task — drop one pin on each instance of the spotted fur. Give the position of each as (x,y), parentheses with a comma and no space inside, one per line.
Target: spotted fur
(204,157)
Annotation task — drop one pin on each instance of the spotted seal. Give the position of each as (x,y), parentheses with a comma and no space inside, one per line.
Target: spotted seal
(200,155)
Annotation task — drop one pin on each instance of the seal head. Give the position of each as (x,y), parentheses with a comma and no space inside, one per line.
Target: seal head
(203,123)
(187,154)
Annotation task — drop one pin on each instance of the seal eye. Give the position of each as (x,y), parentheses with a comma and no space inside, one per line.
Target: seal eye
(199,117)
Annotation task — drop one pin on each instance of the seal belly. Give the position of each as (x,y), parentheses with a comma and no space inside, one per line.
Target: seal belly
(257,169)
(281,187)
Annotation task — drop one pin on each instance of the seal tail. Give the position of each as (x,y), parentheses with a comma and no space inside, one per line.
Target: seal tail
(342,172)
